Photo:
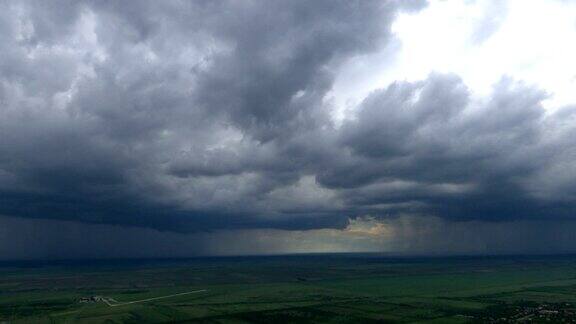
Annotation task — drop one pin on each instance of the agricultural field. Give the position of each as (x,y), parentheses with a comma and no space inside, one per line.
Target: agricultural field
(338,288)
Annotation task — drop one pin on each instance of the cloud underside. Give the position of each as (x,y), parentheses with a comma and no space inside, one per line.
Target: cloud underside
(404,235)
(199,116)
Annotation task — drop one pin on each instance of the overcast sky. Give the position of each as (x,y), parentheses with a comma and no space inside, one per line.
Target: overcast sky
(181,128)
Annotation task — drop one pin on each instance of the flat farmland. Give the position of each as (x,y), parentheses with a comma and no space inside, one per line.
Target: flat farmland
(339,288)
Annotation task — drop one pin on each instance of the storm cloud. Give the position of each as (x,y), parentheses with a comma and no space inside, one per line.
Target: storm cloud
(194,116)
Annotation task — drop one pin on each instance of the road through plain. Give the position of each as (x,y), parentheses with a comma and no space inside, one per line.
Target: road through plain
(112,303)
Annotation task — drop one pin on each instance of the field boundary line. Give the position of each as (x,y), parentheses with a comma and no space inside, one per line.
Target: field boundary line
(112,303)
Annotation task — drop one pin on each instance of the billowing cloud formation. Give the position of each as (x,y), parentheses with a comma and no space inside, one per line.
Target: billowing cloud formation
(195,116)
(432,146)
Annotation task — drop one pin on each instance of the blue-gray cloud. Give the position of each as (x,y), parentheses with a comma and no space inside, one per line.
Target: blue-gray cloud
(198,116)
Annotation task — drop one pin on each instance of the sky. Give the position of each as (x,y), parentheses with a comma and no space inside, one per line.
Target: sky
(184,128)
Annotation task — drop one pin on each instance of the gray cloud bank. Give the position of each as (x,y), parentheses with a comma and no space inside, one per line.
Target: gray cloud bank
(194,116)
(405,235)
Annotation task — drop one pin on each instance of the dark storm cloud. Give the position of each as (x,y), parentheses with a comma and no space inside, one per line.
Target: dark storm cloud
(174,115)
(432,145)
(194,116)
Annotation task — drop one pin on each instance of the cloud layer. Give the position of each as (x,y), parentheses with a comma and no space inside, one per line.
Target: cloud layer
(199,116)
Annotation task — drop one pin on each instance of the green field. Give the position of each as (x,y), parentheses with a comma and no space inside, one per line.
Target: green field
(314,288)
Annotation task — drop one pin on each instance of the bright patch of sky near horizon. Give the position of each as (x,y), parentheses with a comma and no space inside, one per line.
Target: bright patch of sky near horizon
(533,41)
